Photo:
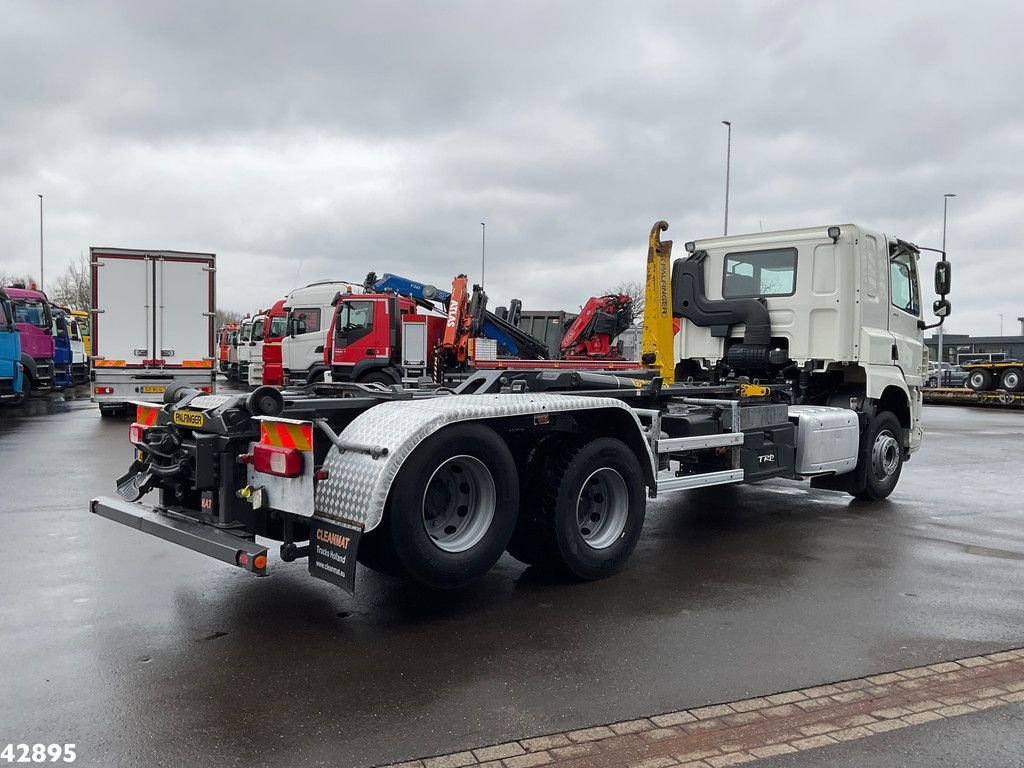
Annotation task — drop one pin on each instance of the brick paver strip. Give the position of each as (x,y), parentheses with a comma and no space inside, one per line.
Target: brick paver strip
(736,733)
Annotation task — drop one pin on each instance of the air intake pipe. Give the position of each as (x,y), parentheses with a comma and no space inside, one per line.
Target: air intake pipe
(690,301)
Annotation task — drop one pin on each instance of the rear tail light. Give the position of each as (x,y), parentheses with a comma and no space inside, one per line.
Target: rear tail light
(103,390)
(271,460)
(137,434)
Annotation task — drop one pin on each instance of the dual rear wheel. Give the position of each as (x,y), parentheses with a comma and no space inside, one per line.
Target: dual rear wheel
(460,501)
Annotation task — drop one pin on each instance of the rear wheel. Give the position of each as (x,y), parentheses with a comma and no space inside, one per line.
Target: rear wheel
(980,380)
(1012,380)
(592,511)
(453,506)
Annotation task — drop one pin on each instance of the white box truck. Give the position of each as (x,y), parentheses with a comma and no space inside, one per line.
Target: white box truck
(153,316)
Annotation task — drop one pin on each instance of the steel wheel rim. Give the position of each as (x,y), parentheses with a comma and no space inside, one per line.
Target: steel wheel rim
(602,508)
(885,455)
(458,504)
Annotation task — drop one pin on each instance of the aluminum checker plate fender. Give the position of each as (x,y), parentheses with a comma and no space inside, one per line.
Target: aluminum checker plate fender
(357,485)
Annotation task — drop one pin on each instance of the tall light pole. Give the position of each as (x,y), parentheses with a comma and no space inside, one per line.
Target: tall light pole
(483,251)
(40,242)
(728,162)
(945,208)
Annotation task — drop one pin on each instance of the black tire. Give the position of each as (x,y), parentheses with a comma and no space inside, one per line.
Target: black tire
(979,379)
(533,540)
(315,377)
(377,552)
(1012,380)
(26,387)
(881,455)
(462,467)
(593,510)
(378,377)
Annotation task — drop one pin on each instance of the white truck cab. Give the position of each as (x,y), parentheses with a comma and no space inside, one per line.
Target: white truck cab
(310,310)
(834,311)
(242,344)
(255,377)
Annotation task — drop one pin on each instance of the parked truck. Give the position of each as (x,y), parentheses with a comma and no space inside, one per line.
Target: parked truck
(990,375)
(35,326)
(227,354)
(63,375)
(254,375)
(10,352)
(277,328)
(79,353)
(805,362)
(153,324)
(302,349)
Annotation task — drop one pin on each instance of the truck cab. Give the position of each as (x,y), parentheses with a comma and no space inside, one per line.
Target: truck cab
(79,355)
(243,350)
(381,338)
(62,354)
(259,326)
(835,312)
(277,326)
(302,349)
(35,326)
(225,344)
(85,331)
(10,352)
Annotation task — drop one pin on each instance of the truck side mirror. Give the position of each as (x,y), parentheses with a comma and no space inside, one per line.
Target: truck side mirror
(942,308)
(943,278)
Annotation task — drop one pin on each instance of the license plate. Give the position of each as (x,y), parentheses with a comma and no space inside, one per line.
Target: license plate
(154,390)
(191,419)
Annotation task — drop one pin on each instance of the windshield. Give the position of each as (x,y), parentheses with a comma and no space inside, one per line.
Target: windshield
(32,312)
(278,327)
(257,329)
(244,331)
(83,325)
(5,311)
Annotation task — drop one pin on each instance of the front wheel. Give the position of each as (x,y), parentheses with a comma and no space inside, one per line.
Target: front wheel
(882,459)
(453,506)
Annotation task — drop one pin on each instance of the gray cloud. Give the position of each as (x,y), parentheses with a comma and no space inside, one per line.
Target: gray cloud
(324,139)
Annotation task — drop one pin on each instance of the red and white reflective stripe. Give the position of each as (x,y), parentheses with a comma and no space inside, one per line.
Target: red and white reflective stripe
(287,434)
(146,415)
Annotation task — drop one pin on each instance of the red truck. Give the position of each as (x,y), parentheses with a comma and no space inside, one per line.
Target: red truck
(276,328)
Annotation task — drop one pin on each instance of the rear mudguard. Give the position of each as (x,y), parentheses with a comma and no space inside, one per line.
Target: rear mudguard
(356,488)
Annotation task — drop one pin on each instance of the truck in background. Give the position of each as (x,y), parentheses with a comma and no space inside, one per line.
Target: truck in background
(153,324)
(255,373)
(310,310)
(277,327)
(227,357)
(83,319)
(10,352)
(63,377)
(35,326)
(79,357)
(243,350)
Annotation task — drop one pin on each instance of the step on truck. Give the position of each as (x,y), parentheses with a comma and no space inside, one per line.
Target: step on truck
(806,363)
(153,315)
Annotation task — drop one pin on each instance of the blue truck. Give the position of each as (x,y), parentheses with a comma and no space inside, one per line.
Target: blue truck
(11,387)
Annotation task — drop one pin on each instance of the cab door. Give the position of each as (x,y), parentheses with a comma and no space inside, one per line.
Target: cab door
(360,331)
(905,313)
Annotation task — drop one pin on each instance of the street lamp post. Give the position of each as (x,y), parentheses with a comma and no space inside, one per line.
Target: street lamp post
(483,251)
(40,242)
(728,162)
(945,208)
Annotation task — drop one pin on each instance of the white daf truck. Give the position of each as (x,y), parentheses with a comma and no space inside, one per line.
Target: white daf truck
(153,315)
(803,362)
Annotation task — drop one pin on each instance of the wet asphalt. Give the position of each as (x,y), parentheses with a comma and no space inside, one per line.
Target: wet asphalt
(142,653)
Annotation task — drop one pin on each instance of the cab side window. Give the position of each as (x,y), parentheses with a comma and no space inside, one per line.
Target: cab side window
(306,320)
(903,283)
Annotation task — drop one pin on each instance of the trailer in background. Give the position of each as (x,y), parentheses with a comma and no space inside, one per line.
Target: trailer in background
(153,324)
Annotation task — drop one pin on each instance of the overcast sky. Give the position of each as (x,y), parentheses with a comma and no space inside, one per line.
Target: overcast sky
(310,140)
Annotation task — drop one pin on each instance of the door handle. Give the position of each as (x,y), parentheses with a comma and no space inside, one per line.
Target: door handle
(371,352)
